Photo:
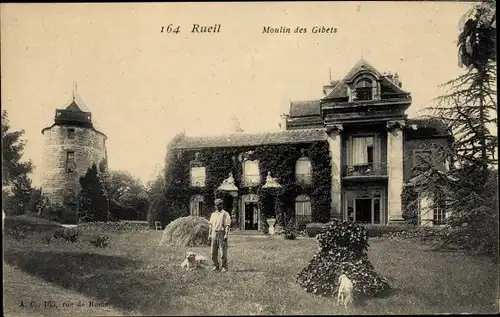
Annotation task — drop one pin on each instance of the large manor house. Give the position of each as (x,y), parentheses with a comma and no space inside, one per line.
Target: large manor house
(372,151)
(373,148)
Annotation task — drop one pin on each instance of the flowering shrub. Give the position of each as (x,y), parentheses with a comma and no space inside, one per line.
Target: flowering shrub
(343,249)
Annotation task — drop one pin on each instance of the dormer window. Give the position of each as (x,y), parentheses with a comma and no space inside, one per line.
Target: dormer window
(364,89)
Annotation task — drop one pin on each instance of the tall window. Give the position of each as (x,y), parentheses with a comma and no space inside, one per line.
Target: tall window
(303,212)
(362,150)
(440,211)
(364,89)
(198,176)
(70,162)
(303,170)
(71,133)
(251,173)
(196,205)
(422,159)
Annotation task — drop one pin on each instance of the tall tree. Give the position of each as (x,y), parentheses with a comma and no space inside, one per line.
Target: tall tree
(16,184)
(128,195)
(92,202)
(468,110)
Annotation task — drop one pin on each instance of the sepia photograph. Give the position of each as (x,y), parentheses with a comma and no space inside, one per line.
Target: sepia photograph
(249,158)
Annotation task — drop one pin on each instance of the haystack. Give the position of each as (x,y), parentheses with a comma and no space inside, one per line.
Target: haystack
(188,231)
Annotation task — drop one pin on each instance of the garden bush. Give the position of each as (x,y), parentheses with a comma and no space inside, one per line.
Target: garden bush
(71,235)
(343,249)
(186,231)
(381,230)
(67,234)
(47,239)
(290,231)
(100,241)
(312,229)
(19,232)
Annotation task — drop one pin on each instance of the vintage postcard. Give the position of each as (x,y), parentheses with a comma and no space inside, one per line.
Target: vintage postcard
(253,158)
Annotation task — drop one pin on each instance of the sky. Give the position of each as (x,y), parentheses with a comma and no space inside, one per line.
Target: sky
(143,86)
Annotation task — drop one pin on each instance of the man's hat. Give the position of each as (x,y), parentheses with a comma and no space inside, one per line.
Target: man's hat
(218,201)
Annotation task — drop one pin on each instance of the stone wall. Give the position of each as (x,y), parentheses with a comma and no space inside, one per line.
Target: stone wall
(88,146)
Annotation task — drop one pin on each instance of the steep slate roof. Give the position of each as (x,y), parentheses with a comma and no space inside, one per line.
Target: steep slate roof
(340,89)
(305,108)
(247,139)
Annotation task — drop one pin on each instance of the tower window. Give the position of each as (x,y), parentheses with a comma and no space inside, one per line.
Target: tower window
(70,162)
(71,133)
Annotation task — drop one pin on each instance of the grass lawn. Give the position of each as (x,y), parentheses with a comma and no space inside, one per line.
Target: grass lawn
(134,276)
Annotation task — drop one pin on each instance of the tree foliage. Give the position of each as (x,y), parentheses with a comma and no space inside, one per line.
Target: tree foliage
(468,110)
(477,39)
(16,184)
(128,195)
(92,201)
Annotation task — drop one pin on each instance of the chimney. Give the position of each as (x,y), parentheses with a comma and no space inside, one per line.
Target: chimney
(236,124)
(327,89)
(396,80)
(283,121)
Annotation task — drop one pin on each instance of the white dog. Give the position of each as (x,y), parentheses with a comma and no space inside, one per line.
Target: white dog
(344,295)
(193,261)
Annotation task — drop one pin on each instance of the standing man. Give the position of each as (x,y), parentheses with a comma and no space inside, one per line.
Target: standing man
(218,230)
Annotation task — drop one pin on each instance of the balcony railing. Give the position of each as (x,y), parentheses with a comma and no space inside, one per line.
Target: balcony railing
(63,115)
(368,169)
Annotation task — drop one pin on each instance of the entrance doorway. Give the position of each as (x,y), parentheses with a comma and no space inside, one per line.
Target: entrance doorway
(251,216)
(364,206)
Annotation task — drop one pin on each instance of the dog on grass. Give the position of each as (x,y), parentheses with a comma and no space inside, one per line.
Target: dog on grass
(344,295)
(193,261)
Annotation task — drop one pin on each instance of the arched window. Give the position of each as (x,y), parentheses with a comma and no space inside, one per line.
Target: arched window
(364,89)
(303,211)
(303,171)
(196,205)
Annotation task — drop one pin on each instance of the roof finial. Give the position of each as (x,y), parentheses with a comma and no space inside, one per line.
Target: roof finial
(74,87)
(361,53)
(330,72)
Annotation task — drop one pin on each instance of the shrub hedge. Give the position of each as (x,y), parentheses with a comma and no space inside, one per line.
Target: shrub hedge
(314,228)
(117,226)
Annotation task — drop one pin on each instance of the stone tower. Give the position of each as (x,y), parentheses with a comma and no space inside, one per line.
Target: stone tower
(72,144)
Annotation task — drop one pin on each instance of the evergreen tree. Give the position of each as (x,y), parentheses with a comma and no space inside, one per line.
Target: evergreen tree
(16,184)
(468,110)
(92,202)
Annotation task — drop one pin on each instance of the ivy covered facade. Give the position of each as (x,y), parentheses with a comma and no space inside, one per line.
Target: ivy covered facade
(345,156)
